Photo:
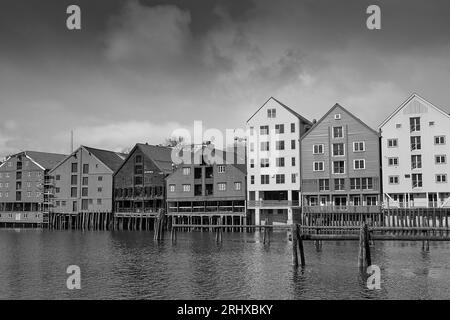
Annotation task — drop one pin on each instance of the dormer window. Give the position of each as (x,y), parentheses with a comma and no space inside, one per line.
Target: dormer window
(271,113)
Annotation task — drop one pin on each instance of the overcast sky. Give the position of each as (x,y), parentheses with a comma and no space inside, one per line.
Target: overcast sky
(140,69)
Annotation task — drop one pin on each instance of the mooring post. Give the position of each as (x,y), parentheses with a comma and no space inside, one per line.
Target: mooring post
(300,246)
(294,245)
(364,258)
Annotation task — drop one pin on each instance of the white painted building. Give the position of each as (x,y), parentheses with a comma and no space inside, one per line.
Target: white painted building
(273,162)
(415,149)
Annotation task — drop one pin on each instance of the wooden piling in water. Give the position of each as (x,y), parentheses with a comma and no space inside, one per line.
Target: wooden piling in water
(294,244)
(300,246)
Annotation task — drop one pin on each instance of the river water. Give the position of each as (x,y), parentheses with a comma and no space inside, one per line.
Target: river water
(131,265)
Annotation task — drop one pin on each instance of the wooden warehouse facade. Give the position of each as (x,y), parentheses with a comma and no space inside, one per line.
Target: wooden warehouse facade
(139,186)
(25,188)
(83,187)
(340,163)
(208,189)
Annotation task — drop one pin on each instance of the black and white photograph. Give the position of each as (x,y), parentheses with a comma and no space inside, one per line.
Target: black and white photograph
(225,156)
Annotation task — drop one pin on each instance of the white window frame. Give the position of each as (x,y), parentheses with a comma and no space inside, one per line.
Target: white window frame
(332,149)
(343,134)
(221,169)
(441,175)
(319,163)
(394,177)
(393,165)
(439,156)
(438,137)
(222,186)
(392,139)
(357,143)
(271,113)
(319,146)
(339,173)
(359,160)
(238,186)
(186,171)
(171,188)
(186,188)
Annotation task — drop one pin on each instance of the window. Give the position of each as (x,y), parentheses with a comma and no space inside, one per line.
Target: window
(292,127)
(367,183)
(392,143)
(337,116)
(293,178)
(74,167)
(279,178)
(440,159)
(293,161)
(279,162)
(265,179)
(339,184)
(252,163)
(338,132)
(171,187)
(221,169)
(324,185)
(252,146)
(85,181)
(73,180)
(415,143)
(264,130)
(414,124)
(393,180)
(138,159)
(355,184)
(252,179)
(359,146)
(279,128)
(84,192)
(186,188)
(371,200)
(252,131)
(271,113)
(398,125)
(58,177)
(222,186)
(338,149)
(57,190)
(279,145)
(318,166)
(417,180)
(338,167)
(359,164)
(100,178)
(441,178)
(186,171)
(99,189)
(264,163)
(73,192)
(237,186)
(29,194)
(416,161)
(439,140)
(86,168)
(265,146)
(393,161)
(292,144)
(99,202)
(318,149)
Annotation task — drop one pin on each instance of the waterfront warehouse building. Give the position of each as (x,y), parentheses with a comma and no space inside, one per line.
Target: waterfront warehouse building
(209,188)
(415,150)
(139,183)
(83,181)
(25,187)
(340,162)
(273,162)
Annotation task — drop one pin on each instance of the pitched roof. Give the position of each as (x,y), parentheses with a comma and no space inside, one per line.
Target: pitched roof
(411,97)
(111,159)
(45,159)
(285,106)
(160,155)
(337,105)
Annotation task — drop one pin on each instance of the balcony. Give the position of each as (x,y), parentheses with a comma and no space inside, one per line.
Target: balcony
(272,203)
(342,209)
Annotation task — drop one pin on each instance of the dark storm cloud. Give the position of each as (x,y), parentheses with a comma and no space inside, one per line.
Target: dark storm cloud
(139,69)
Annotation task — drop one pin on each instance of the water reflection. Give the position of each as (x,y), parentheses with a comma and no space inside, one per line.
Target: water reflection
(131,265)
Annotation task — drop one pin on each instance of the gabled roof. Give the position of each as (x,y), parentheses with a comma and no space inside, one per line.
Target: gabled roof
(160,155)
(111,159)
(286,107)
(337,105)
(44,160)
(411,97)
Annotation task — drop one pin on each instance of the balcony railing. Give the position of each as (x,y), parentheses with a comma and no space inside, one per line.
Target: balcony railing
(273,203)
(346,209)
